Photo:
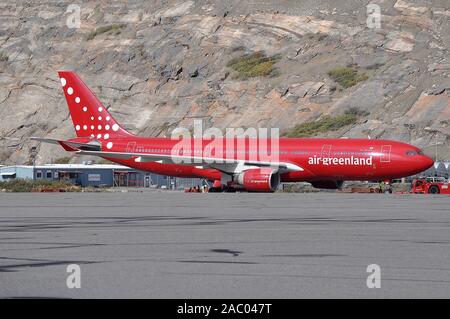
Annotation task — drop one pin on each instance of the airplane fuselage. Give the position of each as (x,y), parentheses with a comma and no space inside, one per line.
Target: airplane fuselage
(321,159)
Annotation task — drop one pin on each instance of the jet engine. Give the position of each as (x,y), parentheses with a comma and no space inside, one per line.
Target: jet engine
(327,184)
(259,179)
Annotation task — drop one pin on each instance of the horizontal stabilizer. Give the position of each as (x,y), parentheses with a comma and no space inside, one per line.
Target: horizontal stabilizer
(45,140)
(70,146)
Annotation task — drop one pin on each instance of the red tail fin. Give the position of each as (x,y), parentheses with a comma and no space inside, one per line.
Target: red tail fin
(90,118)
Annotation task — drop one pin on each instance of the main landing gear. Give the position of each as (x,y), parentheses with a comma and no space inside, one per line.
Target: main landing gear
(222,189)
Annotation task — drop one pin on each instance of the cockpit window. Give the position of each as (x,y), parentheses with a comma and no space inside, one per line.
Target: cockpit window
(412,153)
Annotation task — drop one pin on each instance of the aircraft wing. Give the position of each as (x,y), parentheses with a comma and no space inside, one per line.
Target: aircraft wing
(224,165)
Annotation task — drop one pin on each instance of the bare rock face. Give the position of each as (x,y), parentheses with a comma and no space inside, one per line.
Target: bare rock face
(164,64)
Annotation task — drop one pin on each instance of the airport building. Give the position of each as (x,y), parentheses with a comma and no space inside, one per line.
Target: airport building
(96,175)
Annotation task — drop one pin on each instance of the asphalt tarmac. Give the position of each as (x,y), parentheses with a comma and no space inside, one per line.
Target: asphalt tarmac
(176,245)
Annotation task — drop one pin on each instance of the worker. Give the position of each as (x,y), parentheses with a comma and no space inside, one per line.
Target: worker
(388,188)
(381,186)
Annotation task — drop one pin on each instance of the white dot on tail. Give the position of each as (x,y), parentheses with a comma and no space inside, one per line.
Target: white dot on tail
(92,135)
(77,99)
(92,118)
(84,109)
(85,127)
(107,127)
(115,127)
(99,136)
(92,127)
(70,91)
(99,127)
(106,136)
(108,118)
(109,145)
(99,118)
(63,82)
(77,127)
(100,109)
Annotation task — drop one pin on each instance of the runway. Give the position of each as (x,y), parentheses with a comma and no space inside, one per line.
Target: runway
(176,245)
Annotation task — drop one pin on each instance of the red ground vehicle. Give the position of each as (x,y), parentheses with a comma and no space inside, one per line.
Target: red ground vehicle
(430,185)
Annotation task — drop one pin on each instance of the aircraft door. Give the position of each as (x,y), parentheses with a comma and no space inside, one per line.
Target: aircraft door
(385,154)
(130,147)
(326,151)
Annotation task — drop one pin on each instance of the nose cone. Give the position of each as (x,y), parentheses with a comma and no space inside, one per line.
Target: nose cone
(425,163)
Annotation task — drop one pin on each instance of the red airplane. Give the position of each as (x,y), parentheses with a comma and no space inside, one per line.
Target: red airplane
(325,163)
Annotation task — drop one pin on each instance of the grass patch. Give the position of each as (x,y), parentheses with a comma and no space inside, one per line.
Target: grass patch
(112,28)
(316,36)
(357,112)
(104,161)
(375,66)
(62,160)
(347,77)
(253,65)
(326,123)
(3,57)
(27,185)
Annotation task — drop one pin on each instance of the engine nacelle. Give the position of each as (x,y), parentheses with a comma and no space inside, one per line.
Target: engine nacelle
(259,179)
(327,184)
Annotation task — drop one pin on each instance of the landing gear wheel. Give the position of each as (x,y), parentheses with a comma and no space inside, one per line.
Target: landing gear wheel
(433,189)
(229,189)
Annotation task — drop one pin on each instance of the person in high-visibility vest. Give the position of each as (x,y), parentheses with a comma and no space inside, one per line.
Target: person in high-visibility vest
(381,185)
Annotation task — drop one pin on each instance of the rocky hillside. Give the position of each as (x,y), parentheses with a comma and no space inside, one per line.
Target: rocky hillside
(160,64)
